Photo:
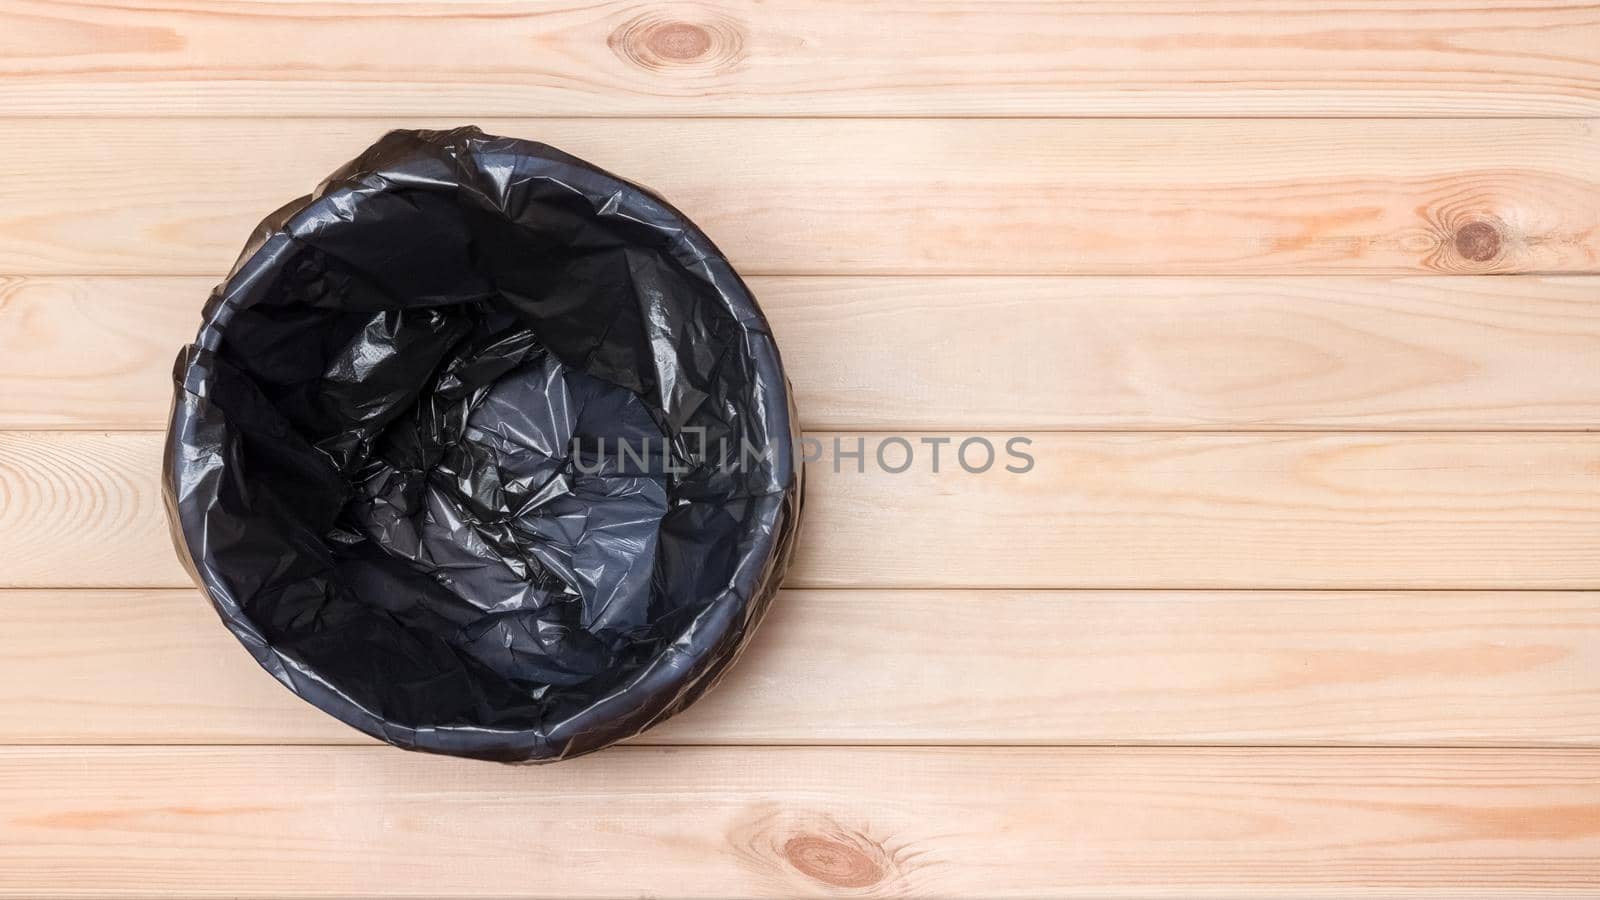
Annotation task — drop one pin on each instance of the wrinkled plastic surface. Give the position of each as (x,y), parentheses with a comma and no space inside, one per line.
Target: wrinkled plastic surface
(395,465)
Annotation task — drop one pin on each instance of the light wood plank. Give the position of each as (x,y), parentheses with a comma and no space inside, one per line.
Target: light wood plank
(913,667)
(1028,353)
(1220,511)
(1191,352)
(1457,510)
(783,822)
(815,196)
(801,57)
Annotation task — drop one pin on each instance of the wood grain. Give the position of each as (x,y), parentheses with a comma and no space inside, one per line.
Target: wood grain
(783,822)
(1340,536)
(874,196)
(1221,511)
(914,667)
(1226,511)
(1026,353)
(800,57)
(93,352)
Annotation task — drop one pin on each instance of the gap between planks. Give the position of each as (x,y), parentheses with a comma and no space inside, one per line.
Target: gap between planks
(645,741)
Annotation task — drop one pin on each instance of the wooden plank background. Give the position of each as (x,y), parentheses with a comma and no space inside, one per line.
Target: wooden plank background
(1463,511)
(1433,668)
(1301,598)
(1057,353)
(802,58)
(783,821)
(889,196)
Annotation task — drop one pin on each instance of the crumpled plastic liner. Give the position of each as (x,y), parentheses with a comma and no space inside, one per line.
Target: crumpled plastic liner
(395,458)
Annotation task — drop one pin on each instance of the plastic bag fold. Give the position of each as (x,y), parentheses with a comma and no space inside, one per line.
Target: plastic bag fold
(484,451)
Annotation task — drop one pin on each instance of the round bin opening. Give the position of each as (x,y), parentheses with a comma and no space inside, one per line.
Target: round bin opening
(485,451)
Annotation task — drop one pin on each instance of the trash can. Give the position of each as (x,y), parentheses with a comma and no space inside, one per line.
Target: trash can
(484,451)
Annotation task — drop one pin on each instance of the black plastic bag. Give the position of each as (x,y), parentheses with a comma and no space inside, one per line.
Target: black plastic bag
(484,451)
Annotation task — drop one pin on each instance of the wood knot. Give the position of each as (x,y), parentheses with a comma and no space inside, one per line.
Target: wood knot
(679,41)
(835,862)
(702,42)
(1478,241)
(1467,235)
(799,851)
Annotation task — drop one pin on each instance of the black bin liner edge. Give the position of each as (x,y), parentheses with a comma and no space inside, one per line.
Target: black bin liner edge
(320,263)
